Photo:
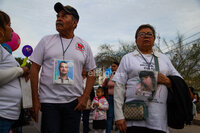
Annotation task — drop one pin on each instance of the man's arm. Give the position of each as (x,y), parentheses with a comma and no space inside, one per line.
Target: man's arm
(86,94)
(34,76)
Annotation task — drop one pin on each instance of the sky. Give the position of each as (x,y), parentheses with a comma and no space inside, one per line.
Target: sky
(104,21)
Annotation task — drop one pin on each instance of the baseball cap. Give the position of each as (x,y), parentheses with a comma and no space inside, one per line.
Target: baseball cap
(59,7)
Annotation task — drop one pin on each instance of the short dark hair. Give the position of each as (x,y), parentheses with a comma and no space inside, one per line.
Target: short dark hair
(116,63)
(62,62)
(4,19)
(145,26)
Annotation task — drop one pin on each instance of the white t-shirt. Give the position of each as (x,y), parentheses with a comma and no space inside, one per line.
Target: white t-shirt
(49,49)
(127,74)
(10,93)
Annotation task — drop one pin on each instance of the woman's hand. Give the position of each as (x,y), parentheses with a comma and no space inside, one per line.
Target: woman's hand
(26,73)
(162,79)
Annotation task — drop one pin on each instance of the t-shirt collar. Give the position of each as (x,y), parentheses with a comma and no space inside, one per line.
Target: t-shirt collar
(135,52)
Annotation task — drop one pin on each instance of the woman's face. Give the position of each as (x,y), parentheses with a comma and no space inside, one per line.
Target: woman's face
(145,39)
(8,33)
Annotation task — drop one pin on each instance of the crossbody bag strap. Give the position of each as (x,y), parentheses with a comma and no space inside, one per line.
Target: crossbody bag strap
(156,63)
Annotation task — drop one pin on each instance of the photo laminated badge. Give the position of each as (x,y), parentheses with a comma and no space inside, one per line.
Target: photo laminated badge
(147,84)
(63,72)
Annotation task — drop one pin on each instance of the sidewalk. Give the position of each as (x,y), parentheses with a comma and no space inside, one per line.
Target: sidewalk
(196,120)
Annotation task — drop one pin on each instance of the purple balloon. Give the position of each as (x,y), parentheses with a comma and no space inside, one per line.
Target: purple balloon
(27,50)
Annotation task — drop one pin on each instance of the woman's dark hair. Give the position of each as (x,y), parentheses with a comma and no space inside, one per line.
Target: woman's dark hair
(4,19)
(145,26)
(146,73)
(116,63)
(150,74)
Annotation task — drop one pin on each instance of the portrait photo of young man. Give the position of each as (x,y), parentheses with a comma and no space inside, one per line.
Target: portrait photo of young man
(63,73)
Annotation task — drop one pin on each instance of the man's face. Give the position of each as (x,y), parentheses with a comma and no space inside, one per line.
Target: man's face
(114,67)
(63,68)
(145,39)
(65,22)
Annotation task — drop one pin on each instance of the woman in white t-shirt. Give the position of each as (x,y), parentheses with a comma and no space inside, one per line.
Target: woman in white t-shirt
(131,74)
(10,90)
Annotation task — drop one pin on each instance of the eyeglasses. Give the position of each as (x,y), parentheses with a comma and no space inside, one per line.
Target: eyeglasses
(143,34)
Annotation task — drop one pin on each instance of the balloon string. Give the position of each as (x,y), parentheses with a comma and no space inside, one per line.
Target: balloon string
(24,62)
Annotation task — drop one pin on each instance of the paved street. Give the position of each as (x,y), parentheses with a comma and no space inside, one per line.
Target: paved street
(195,128)
(187,129)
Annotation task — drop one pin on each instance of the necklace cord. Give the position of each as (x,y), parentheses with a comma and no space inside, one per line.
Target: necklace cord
(148,63)
(67,46)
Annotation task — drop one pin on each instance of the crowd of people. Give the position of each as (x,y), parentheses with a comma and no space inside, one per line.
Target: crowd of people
(66,67)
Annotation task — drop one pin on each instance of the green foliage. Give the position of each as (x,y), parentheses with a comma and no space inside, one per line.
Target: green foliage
(107,54)
(20,61)
(186,59)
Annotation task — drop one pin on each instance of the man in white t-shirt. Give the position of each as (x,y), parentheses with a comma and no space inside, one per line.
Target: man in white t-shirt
(61,104)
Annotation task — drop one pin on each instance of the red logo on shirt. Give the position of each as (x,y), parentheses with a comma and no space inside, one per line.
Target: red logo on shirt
(80,47)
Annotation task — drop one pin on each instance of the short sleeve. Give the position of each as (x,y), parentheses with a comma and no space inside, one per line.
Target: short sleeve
(38,53)
(121,75)
(90,62)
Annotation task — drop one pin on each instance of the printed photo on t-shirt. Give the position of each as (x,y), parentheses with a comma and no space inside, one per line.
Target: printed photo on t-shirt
(63,71)
(147,84)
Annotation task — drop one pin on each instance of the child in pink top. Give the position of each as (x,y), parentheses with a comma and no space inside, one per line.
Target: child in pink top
(100,106)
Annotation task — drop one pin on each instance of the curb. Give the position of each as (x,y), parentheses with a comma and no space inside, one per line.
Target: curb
(196,122)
